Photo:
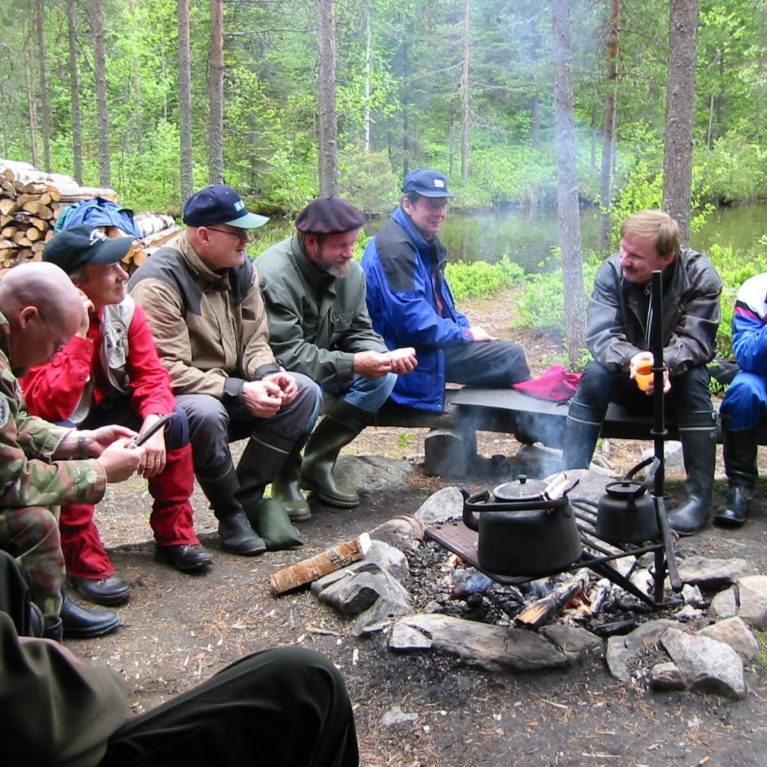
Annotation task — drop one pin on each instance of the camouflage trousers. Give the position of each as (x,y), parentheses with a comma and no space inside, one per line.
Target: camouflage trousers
(31,536)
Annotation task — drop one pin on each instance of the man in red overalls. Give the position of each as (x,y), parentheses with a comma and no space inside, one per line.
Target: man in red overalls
(109,372)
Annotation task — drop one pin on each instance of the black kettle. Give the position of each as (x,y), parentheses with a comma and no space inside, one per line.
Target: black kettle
(626,513)
(521,530)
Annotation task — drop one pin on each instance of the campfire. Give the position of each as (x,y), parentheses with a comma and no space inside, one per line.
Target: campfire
(405,584)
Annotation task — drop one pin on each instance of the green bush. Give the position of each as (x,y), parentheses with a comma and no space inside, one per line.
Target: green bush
(733,170)
(480,279)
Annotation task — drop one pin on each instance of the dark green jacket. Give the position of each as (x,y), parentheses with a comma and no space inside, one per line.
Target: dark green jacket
(317,322)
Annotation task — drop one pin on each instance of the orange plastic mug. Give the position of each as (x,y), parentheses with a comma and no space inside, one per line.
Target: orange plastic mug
(644,375)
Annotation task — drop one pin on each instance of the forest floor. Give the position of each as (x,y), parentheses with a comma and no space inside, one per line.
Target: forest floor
(178,629)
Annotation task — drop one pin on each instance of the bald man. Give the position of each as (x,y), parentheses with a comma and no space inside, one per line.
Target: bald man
(40,310)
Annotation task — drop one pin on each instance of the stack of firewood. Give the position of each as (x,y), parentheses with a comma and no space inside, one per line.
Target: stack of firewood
(30,203)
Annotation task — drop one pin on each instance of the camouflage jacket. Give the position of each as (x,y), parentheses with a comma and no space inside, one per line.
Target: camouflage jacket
(28,475)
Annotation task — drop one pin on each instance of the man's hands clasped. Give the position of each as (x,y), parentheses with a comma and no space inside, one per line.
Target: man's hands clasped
(266,397)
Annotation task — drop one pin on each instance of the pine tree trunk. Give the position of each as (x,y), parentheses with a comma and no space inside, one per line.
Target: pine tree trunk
(368,54)
(74,86)
(44,103)
(216,145)
(105,169)
(185,107)
(611,92)
(465,95)
(567,182)
(680,113)
(32,110)
(328,117)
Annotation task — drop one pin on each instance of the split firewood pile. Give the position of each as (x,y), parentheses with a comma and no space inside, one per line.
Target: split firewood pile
(31,200)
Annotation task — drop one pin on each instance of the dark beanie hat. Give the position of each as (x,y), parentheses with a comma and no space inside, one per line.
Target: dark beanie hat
(329,215)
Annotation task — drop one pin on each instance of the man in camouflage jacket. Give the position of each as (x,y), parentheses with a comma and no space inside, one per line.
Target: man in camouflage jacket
(40,310)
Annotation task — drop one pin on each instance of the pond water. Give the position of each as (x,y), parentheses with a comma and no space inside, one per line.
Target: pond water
(528,237)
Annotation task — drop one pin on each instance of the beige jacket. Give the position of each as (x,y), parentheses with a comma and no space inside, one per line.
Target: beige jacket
(210,327)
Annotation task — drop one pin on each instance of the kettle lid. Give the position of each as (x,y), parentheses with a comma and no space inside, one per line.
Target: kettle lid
(523,488)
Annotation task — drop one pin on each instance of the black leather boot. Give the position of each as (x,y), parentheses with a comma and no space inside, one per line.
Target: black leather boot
(697,432)
(582,428)
(337,429)
(740,449)
(234,530)
(82,623)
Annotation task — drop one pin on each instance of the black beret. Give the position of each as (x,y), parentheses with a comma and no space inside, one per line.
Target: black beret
(329,215)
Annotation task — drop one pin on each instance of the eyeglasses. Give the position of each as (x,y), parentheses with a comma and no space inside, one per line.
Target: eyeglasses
(242,235)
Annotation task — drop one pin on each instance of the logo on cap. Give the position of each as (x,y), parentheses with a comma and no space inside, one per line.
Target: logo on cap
(239,205)
(96,236)
(439,182)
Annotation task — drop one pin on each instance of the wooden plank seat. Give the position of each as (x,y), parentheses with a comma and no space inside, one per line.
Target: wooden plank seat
(450,446)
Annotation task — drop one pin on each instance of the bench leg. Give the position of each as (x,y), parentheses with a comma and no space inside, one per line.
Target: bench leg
(450,452)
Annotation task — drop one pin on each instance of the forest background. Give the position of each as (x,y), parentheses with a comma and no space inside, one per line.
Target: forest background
(101,90)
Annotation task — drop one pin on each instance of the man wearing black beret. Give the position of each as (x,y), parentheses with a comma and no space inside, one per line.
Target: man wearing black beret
(319,325)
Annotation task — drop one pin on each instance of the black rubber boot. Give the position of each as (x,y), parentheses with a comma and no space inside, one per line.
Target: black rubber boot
(740,448)
(697,432)
(337,429)
(286,488)
(234,530)
(582,428)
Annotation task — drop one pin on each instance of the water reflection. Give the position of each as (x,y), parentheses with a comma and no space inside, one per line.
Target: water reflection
(529,238)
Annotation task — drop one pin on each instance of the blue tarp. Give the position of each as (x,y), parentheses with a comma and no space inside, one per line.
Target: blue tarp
(97,212)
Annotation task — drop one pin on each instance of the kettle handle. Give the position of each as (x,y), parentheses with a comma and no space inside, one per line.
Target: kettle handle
(650,478)
(468,517)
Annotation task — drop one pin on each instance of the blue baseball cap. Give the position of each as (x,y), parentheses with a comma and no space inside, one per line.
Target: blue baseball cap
(220,204)
(427,183)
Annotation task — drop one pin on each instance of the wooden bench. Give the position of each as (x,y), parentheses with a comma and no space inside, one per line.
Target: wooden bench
(451,444)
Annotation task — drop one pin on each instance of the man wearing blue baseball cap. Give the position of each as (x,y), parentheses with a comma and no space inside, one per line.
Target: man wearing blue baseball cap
(201,295)
(410,303)
(109,372)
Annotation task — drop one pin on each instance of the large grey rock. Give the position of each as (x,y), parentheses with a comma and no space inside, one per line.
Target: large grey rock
(735,633)
(443,506)
(389,558)
(706,665)
(724,604)
(339,575)
(490,647)
(624,651)
(710,573)
(362,589)
(575,642)
(373,472)
(752,597)
(665,677)
(405,532)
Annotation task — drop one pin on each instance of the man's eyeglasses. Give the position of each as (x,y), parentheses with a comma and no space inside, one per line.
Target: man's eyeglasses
(242,234)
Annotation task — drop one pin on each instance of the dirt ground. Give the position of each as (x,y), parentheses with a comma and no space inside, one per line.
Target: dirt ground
(179,629)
